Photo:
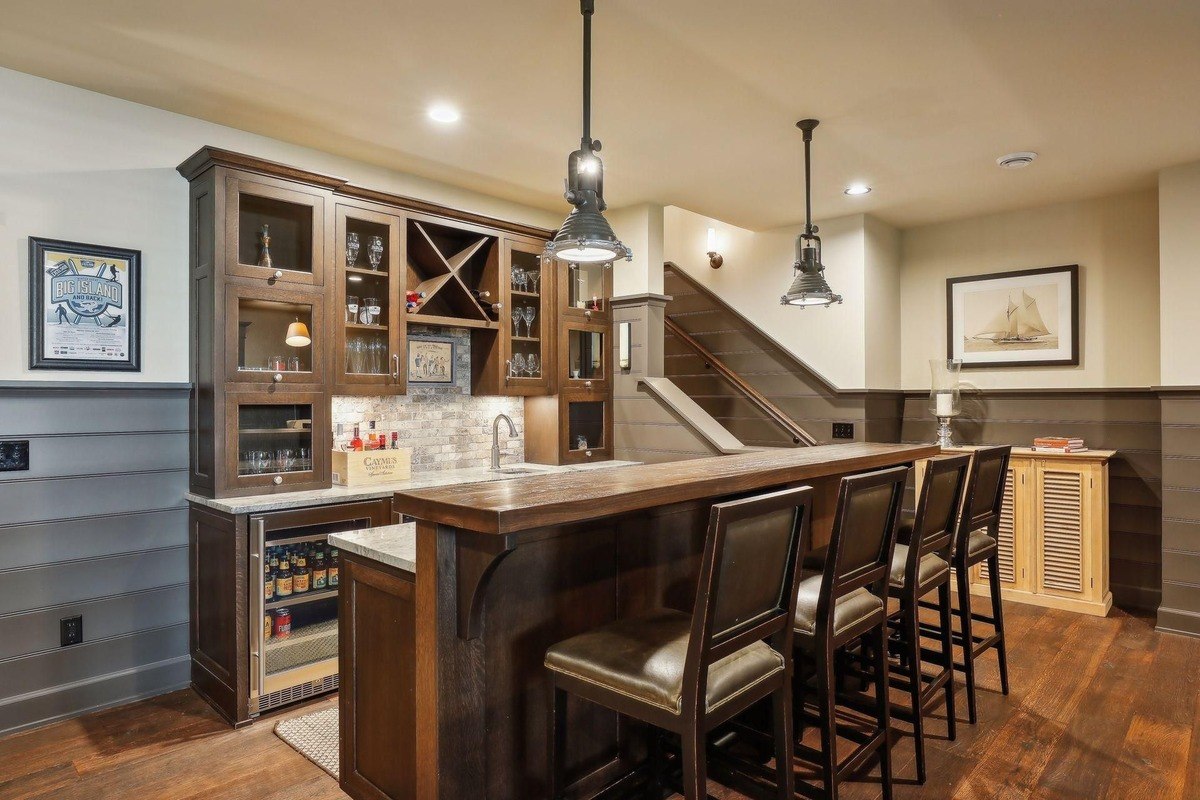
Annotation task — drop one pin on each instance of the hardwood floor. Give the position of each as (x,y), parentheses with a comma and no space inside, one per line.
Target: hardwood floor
(1101,708)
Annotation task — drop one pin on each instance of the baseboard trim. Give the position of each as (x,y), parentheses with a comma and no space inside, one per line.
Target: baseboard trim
(1177,621)
(44,706)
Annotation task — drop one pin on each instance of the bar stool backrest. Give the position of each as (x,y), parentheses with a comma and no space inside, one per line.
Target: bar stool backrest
(864,535)
(748,579)
(938,505)
(985,493)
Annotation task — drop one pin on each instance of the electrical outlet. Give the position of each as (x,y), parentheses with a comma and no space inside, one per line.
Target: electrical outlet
(71,630)
(843,430)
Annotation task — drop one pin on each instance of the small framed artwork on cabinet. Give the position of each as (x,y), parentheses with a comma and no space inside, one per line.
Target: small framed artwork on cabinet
(431,361)
(85,306)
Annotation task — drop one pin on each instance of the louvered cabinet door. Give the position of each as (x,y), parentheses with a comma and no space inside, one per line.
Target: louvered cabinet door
(1013,546)
(1065,506)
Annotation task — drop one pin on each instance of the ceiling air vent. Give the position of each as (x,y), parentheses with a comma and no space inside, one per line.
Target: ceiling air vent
(1015,160)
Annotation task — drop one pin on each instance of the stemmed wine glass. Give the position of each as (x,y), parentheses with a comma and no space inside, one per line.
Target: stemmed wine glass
(534,278)
(532,365)
(516,318)
(528,313)
(518,364)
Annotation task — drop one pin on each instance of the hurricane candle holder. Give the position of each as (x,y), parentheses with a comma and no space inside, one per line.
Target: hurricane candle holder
(944,396)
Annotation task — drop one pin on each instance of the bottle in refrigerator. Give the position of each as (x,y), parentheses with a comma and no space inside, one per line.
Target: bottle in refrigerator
(334,563)
(301,577)
(283,579)
(268,583)
(320,572)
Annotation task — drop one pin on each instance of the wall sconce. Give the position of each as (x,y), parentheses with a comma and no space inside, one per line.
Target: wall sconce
(624,346)
(715,259)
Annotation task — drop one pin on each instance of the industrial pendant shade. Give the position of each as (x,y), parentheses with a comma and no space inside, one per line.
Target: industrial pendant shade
(809,287)
(586,237)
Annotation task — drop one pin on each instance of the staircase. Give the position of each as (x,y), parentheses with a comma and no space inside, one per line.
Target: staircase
(754,387)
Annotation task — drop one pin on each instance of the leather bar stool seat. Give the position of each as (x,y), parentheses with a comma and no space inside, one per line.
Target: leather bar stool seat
(979,544)
(644,658)
(854,609)
(930,569)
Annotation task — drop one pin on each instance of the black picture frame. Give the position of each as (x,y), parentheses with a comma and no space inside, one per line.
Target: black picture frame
(130,305)
(1072,360)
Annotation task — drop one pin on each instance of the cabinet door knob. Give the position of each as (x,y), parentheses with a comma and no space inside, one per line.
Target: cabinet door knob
(278,479)
(278,274)
(588,384)
(587,313)
(587,453)
(278,377)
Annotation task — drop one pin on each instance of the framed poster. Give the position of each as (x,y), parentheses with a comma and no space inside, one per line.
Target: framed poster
(1028,318)
(431,361)
(85,306)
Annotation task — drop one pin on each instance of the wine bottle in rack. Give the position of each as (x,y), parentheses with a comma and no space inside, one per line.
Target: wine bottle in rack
(481,296)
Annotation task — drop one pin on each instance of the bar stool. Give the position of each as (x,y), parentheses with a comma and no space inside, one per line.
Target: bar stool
(687,673)
(920,565)
(845,604)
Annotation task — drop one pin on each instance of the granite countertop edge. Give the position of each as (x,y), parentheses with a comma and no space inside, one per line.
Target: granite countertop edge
(394,545)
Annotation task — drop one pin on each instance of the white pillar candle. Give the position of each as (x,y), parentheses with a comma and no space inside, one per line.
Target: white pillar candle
(945,404)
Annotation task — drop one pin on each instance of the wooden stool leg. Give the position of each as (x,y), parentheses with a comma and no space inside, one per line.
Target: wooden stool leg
(998,617)
(912,633)
(782,713)
(883,713)
(947,622)
(556,740)
(827,710)
(695,764)
(968,642)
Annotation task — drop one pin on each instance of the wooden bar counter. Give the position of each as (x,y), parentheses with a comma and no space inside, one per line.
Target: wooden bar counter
(505,569)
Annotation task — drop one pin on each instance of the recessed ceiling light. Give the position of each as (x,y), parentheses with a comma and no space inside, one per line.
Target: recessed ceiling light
(1016,160)
(856,189)
(444,113)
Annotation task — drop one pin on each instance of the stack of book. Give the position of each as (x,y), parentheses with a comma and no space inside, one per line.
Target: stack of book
(1058,444)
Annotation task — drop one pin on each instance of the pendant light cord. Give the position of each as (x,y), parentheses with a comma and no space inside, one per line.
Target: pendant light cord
(808,228)
(587,8)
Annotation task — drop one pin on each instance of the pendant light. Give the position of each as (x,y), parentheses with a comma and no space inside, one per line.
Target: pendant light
(298,335)
(586,237)
(808,286)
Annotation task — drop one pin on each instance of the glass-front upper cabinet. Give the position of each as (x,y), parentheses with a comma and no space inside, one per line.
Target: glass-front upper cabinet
(585,290)
(275,231)
(528,319)
(369,315)
(588,431)
(276,440)
(274,336)
(585,358)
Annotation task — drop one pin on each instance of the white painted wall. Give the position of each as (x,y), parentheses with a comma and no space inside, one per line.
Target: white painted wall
(85,167)
(881,316)
(1179,278)
(757,272)
(640,228)
(1115,242)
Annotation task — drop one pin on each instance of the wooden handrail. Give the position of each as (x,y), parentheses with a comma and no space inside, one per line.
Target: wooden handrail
(756,398)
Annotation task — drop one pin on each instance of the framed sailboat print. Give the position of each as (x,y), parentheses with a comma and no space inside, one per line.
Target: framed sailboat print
(1027,318)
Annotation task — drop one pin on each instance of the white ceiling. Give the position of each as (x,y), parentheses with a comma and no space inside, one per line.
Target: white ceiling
(695,101)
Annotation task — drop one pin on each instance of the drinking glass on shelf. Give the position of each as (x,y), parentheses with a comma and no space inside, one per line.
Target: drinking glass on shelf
(294,364)
(518,275)
(376,357)
(351,308)
(285,460)
(528,313)
(534,277)
(352,246)
(277,363)
(354,355)
(531,363)
(518,364)
(516,318)
(375,251)
(581,442)
(368,313)
(260,461)
(304,459)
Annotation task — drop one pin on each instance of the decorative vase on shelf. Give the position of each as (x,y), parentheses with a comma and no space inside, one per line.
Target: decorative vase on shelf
(944,396)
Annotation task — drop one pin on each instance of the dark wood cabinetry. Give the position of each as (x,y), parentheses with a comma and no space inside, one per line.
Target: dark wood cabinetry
(377,700)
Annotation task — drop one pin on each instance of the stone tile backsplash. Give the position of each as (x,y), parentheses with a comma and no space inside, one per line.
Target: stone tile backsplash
(446,426)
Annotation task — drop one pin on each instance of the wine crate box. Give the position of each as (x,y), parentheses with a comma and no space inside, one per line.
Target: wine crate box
(369,467)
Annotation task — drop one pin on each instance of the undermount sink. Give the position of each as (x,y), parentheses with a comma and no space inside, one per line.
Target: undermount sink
(519,471)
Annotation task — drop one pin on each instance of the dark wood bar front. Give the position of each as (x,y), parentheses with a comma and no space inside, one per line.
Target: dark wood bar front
(506,569)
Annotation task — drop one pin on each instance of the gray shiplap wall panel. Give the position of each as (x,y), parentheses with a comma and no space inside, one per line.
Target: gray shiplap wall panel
(70,498)
(96,527)
(32,632)
(59,456)
(79,581)
(70,540)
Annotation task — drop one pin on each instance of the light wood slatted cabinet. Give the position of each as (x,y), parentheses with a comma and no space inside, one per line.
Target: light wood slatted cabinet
(1053,535)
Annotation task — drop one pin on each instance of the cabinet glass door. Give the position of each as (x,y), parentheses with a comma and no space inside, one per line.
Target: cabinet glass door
(586,360)
(276,441)
(528,319)
(585,290)
(276,231)
(369,317)
(274,335)
(587,429)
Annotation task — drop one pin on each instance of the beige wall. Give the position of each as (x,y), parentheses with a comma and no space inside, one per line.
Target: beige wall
(1115,242)
(641,229)
(84,167)
(882,309)
(1179,258)
(757,271)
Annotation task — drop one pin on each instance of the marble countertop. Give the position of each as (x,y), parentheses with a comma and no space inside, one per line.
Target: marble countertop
(282,501)
(394,545)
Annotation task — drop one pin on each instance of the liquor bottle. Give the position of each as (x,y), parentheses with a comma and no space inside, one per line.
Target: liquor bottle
(414,297)
(395,440)
(356,443)
(320,572)
(302,579)
(334,563)
(372,442)
(283,579)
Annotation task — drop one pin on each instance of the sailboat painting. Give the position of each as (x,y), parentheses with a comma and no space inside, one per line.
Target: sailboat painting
(1024,318)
